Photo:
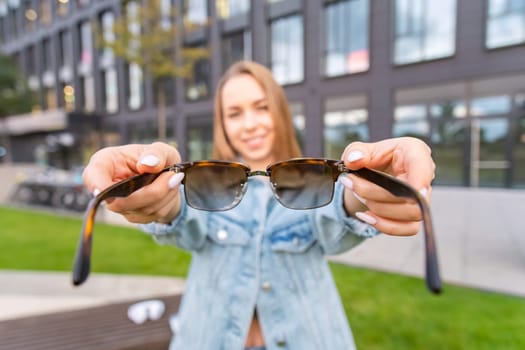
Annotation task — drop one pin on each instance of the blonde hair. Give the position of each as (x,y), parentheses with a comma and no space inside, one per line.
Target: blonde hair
(285,146)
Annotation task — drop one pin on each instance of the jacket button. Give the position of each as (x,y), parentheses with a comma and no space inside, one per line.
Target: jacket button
(222,235)
(266,286)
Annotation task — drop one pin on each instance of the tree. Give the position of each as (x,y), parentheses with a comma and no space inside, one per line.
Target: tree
(15,96)
(146,36)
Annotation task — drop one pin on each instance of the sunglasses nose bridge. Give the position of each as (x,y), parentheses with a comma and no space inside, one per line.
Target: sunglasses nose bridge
(258,173)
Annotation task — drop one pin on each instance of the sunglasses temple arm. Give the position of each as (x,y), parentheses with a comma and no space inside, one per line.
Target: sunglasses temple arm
(398,188)
(432,274)
(82,261)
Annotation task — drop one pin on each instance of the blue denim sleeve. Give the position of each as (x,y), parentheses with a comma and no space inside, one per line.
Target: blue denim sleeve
(187,230)
(335,230)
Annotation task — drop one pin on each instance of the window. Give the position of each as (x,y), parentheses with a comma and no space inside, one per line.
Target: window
(107,20)
(236,47)
(505,23)
(298,120)
(30,16)
(85,70)
(345,121)
(231,8)
(46,16)
(287,58)
(62,7)
(198,85)
(424,30)
(135,91)
(448,140)
(195,11)
(110,87)
(411,120)
(200,142)
(346,25)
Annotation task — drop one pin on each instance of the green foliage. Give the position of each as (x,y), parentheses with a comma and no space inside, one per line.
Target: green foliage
(148,37)
(15,97)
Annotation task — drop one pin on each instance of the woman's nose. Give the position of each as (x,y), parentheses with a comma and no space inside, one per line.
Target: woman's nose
(249,119)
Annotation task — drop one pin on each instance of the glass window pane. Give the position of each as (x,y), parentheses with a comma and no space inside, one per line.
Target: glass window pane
(425,30)
(236,47)
(457,109)
(347,37)
(195,11)
(448,143)
(198,85)
(411,121)
(505,23)
(345,121)
(287,50)
(110,90)
(298,120)
(230,8)
(135,87)
(490,105)
(200,142)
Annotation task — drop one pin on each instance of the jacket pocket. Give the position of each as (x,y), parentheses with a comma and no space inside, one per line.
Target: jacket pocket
(224,231)
(294,237)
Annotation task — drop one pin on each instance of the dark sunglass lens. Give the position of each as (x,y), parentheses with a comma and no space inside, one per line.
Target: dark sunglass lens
(303,185)
(214,186)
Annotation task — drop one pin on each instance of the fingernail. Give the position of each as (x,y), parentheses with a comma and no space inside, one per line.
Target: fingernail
(366,218)
(424,192)
(347,182)
(96,192)
(354,155)
(359,198)
(150,160)
(175,180)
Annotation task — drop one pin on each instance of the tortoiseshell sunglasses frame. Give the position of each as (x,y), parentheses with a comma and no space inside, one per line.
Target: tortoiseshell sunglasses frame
(393,185)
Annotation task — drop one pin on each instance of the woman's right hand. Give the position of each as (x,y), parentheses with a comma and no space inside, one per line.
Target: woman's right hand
(159,201)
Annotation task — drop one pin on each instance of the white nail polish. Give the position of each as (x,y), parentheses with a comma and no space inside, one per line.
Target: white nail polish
(355,155)
(96,191)
(359,198)
(175,180)
(345,180)
(366,218)
(424,192)
(150,160)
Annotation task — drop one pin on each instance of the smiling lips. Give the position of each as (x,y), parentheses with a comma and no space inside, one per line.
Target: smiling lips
(255,141)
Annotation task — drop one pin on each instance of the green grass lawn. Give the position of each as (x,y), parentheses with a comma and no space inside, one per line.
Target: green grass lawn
(386,311)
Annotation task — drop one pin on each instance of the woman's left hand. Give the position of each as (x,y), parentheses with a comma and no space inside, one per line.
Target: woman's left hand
(406,158)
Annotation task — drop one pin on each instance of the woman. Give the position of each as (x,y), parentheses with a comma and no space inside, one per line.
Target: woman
(258,277)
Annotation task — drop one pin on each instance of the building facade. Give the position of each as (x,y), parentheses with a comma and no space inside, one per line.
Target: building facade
(451,72)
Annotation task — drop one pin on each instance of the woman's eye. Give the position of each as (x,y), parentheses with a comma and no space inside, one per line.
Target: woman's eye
(233,115)
(262,107)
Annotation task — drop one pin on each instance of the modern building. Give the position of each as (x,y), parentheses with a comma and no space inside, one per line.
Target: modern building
(451,72)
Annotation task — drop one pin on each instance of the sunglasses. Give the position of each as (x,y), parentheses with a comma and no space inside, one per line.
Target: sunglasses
(301,183)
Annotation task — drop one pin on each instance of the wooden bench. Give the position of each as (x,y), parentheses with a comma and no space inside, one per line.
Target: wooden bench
(104,327)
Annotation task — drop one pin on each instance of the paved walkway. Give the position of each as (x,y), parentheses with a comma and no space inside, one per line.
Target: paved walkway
(479,233)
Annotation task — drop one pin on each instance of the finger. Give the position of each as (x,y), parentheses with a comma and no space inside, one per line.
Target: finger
(388,226)
(398,212)
(370,191)
(153,212)
(157,156)
(147,196)
(109,165)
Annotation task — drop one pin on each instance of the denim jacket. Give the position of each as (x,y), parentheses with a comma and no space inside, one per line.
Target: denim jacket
(262,255)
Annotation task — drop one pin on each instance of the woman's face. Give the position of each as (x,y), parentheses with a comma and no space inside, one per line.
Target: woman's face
(247,121)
